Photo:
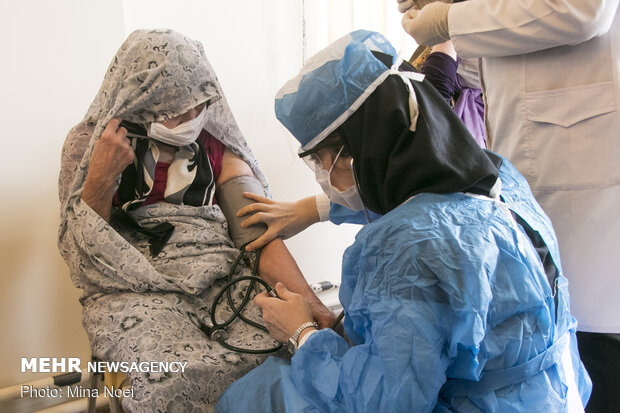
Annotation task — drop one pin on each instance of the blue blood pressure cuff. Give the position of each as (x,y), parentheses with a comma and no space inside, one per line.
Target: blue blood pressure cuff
(230,199)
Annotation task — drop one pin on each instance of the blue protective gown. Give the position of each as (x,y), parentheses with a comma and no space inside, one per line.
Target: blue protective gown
(444,287)
(339,214)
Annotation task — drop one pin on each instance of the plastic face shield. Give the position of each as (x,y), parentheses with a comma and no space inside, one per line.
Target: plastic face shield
(313,161)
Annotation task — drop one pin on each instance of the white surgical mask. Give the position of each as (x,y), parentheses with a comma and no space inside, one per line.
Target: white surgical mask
(349,198)
(180,135)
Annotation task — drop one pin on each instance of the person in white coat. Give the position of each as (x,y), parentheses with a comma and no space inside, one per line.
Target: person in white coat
(550,73)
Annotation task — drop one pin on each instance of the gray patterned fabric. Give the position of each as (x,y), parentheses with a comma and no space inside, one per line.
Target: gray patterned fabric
(138,307)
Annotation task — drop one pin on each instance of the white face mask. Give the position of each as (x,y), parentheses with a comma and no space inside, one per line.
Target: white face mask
(349,198)
(180,135)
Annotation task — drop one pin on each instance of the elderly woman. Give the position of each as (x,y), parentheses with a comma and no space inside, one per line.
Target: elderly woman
(454,298)
(142,230)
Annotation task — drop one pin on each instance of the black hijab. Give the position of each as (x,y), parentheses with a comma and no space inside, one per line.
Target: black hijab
(392,163)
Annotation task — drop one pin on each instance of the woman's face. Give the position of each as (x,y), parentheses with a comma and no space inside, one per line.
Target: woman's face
(342,174)
(185,117)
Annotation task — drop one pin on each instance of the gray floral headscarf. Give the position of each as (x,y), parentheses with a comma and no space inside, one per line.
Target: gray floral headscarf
(154,76)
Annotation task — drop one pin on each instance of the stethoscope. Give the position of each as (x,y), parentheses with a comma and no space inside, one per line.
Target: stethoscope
(217,330)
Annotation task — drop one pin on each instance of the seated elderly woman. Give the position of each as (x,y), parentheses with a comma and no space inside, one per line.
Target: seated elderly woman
(141,229)
(454,297)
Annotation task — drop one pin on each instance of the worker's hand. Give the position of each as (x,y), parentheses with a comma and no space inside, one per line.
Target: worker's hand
(111,153)
(404,5)
(283,219)
(428,26)
(276,333)
(285,314)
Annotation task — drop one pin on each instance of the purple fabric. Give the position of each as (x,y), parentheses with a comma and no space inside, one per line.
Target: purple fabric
(470,108)
(440,70)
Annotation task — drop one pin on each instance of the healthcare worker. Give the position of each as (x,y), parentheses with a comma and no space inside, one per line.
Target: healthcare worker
(550,71)
(454,299)
(442,68)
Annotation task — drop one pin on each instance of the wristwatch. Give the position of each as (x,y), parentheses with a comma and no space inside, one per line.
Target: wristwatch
(292,342)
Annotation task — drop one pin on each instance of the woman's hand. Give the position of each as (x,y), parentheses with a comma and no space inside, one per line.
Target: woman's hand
(283,219)
(112,153)
(285,314)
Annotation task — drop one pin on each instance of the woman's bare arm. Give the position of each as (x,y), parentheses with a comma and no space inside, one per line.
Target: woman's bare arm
(277,263)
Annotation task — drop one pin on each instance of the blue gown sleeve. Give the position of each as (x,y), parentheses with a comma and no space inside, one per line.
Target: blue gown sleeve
(413,315)
(339,214)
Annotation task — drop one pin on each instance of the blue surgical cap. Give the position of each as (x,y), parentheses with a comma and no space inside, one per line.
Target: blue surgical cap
(331,86)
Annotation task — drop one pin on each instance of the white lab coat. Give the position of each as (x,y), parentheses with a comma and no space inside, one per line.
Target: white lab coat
(550,73)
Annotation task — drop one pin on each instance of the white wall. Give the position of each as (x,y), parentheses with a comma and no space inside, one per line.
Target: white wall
(327,20)
(54,55)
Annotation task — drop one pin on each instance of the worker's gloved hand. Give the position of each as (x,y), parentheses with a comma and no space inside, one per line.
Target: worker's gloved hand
(283,219)
(428,26)
(284,314)
(404,5)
